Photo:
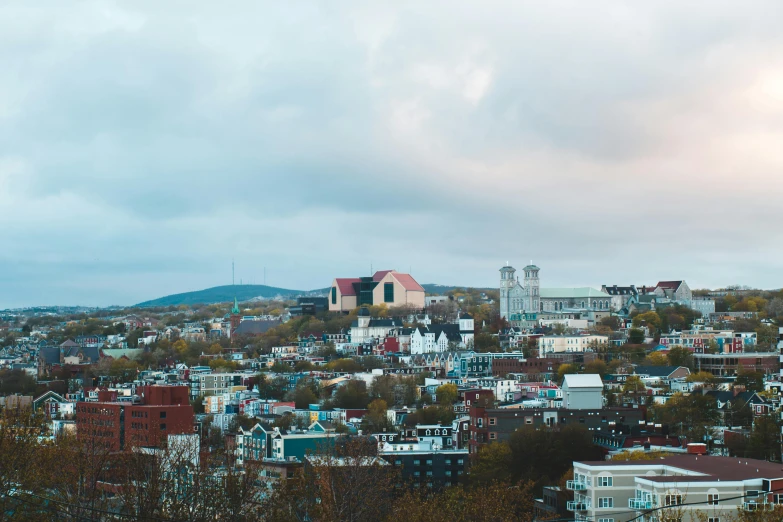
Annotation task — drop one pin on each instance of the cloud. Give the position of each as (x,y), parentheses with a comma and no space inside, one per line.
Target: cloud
(145,145)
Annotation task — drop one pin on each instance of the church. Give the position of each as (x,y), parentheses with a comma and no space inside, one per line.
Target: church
(527,296)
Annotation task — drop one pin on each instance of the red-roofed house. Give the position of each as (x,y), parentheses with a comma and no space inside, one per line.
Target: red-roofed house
(385,286)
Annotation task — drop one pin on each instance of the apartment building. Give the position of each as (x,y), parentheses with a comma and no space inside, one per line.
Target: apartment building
(549,344)
(686,488)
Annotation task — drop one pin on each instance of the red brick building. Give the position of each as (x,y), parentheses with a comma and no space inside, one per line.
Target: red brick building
(158,412)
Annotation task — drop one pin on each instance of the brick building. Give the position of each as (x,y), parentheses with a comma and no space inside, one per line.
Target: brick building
(153,414)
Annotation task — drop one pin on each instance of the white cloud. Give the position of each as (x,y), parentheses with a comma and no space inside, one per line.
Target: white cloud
(146,144)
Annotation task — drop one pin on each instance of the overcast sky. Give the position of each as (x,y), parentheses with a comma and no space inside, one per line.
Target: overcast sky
(145,144)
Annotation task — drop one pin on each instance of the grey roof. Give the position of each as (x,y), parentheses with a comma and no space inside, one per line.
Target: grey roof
(255,327)
(575,293)
(50,354)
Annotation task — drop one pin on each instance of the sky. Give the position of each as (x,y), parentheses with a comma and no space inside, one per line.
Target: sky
(146,144)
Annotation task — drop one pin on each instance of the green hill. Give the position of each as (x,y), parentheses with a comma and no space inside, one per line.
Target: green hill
(223,294)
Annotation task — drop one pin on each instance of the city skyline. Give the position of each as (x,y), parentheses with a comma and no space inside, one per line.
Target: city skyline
(612,144)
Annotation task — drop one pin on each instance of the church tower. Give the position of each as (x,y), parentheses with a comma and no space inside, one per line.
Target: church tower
(236,318)
(507,282)
(532,288)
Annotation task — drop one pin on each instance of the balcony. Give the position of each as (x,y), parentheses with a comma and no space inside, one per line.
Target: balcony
(573,505)
(639,504)
(756,506)
(575,485)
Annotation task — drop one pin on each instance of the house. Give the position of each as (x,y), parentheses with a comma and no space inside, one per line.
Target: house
(387,287)
(582,391)
(687,487)
(661,374)
(677,291)
(619,295)
(365,328)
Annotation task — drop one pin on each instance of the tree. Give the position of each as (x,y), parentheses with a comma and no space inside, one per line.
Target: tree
(656,359)
(635,336)
(612,322)
(446,394)
(649,319)
(377,419)
(749,379)
(492,463)
(764,442)
(680,356)
(705,377)
(596,366)
(565,369)
(766,338)
(343,482)
(484,342)
(633,385)
(352,395)
(303,397)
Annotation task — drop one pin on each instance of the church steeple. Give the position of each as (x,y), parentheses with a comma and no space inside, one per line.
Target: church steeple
(235,309)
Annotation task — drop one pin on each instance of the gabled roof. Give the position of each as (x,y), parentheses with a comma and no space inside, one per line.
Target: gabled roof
(345,285)
(407,282)
(672,285)
(583,381)
(380,274)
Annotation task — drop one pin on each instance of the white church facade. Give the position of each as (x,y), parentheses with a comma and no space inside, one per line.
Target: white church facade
(527,296)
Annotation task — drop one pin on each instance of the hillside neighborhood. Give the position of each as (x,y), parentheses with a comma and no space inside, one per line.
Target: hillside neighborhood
(572,392)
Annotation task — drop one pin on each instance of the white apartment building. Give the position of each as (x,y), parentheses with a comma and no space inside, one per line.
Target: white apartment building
(570,343)
(686,488)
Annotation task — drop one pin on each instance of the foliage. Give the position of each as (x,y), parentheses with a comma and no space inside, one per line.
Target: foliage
(656,359)
(635,336)
(565,369)
(689,415)
(446,394)
(639,455)
(633,385)
(596,366)
(680,356)
(351,395)
(705,377)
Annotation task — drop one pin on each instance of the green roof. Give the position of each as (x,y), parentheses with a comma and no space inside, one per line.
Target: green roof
(235,310)
(578,293)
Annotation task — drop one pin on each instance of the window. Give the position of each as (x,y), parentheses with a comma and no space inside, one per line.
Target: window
(429,463)
(334,295)
(388,292)
(417,462)
(604,482)
(163,415)
(605,520)
(492,421)
(713,519)
(672,500)
(492,435)
(712,499)
(163,426)
(605,502)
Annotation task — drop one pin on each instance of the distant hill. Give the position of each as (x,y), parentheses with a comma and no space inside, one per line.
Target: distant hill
(432,288)
(223,294)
